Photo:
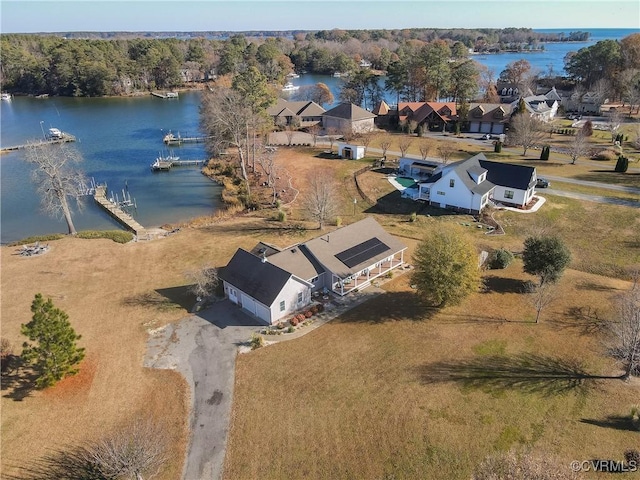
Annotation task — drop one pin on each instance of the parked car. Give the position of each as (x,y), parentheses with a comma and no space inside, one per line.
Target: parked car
(543,183)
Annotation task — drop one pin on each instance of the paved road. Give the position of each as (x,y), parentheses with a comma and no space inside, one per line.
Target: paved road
(203,349)
(587,183)
(592,198)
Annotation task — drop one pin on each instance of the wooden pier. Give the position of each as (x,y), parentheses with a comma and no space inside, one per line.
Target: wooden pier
(171,139)
(166,165)
(100,196)
(66,138)
(165,94)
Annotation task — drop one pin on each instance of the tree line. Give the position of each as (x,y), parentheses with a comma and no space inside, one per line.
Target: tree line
(422,64)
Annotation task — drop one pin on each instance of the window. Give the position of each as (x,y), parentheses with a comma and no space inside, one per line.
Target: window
(508,194)
(452,183)
(299,297)
(440,193)
(314,279)
(282,306)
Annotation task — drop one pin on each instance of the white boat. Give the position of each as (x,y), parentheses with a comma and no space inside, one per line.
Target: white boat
(293,75)
(6,96)
(290,87)
(171,95)
(55,134)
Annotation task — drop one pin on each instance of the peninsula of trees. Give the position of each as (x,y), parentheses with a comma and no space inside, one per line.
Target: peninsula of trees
(122,63)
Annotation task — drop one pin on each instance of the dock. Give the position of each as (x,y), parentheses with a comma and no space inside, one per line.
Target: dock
(171,139)
(165,94)
(100,196)
(166,165)
(66,138)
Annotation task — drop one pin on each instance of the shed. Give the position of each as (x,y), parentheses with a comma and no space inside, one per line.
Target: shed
(351,152)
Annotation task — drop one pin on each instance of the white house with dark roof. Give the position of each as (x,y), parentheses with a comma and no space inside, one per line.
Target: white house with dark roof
(271,284)
(262,288)
(470,184)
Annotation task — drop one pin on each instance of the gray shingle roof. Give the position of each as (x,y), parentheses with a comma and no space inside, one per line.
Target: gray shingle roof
(349,111)
(299,261)
(326,247)
(260,280)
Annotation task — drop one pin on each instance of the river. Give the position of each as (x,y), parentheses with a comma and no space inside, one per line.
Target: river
(119,139)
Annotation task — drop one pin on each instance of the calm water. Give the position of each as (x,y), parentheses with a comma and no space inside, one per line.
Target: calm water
(119,138)
(551,58)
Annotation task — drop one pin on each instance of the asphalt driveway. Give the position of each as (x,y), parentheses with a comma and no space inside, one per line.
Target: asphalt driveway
(203,349)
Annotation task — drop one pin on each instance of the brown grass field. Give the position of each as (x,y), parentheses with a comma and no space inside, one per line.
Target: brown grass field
(353,399)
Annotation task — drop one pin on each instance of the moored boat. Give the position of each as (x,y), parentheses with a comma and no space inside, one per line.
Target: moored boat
(6,96)
(290,87)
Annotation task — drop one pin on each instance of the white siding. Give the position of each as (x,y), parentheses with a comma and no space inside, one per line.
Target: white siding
(519,196)
(457,196)
(289,294)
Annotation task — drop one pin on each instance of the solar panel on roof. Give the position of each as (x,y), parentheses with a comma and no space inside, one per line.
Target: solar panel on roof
(361,253)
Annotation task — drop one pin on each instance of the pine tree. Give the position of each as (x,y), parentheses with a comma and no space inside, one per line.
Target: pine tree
(55,354)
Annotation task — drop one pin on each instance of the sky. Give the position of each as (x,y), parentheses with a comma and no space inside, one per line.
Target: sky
(29,16)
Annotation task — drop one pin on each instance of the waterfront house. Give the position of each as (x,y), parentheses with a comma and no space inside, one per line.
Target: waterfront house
(469,185)
(271,283)
(306,112)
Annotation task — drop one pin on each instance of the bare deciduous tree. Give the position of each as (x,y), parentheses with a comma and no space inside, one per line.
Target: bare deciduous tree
(403,144)
(314,131)
(365,141)
(385,144)
(578,147)
(425,147)
(267,162)
(58,178)
(613,123)
(332,134)
(321,197)
(526,131)
(205,280)
(225,118)
(289,132)
(624,343)
(131,452)
(540,296)
(445,150)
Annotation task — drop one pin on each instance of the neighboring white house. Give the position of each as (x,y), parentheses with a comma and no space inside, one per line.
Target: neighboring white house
(262,288)
(272,283)
(413,168)
(469,184)
(543,107)
(351,152)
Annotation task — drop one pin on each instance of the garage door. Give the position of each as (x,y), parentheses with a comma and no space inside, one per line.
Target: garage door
(474,127)
(248,304)
(498,128)
(486,128)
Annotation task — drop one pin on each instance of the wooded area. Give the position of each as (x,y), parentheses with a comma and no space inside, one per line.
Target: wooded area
(122,65)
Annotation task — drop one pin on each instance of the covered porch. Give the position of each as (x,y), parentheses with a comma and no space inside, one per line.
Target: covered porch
(363,278)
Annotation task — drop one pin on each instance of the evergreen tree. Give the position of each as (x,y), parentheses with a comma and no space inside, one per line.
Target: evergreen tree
(446,268)
(622,165)
(55,354)
(545,257)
